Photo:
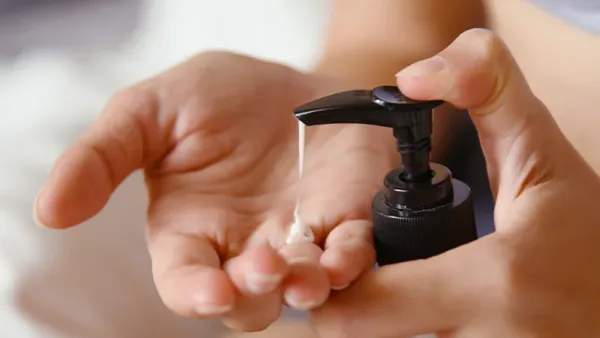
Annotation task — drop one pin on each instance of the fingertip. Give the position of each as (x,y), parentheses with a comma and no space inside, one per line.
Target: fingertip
(412,87)
(307,286)
(346,264)
(257,275)
(77,189)
(266,261)
(258,270)
(52,210)
(36,213)
(198,292)
(215,296)
(418,80)
(348,252)
(340,273)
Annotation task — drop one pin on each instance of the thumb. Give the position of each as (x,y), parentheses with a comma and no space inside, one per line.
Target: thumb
(519,137)
(438,294)
(123,139)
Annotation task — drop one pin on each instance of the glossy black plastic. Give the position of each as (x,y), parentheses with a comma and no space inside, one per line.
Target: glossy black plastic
(405,194)
(402,235)
(421,211)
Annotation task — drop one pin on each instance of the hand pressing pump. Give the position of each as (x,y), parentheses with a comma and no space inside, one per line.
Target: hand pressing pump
(421,211)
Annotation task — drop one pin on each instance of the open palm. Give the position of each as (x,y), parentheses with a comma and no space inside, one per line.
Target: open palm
(218,143)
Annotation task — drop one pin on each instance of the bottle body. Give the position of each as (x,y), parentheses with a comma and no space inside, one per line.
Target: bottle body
(409,232)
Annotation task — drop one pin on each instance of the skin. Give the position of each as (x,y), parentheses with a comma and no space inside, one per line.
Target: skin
(217,216)
(562,69)
(537,275)
(222,184)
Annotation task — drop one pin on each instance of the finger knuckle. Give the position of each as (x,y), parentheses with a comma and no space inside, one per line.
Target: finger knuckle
(132,99)
(482,65)
(483,44)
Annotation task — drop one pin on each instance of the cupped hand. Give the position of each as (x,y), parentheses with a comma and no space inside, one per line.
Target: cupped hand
(218,144)
(539,274)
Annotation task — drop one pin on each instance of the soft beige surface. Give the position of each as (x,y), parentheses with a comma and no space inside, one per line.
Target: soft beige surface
(562,65)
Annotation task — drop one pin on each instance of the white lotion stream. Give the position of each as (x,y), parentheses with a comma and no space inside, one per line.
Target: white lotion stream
(300,231)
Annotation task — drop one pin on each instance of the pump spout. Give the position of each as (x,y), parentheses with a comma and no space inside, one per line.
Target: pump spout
(355,106)
(383,106)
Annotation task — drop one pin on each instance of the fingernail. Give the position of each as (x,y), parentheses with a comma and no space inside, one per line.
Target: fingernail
(424,67)
(299,260)
(206,308)
(36,217)
(338,288)
(233,324)
(297,304)
(209,310)
(261,283)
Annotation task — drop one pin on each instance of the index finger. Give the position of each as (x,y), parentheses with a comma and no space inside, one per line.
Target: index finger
(123,139)
(348,253)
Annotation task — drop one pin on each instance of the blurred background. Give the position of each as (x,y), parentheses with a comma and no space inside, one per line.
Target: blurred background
(60,61)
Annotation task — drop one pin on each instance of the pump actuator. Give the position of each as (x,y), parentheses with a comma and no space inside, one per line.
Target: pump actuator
(421,211)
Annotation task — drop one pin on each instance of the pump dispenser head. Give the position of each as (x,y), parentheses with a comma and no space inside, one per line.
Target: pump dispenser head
(422,211)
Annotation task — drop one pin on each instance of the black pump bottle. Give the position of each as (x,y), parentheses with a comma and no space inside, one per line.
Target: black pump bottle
(421,211)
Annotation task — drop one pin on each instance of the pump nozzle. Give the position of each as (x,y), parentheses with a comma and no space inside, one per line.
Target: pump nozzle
(384,106)
(422,211)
